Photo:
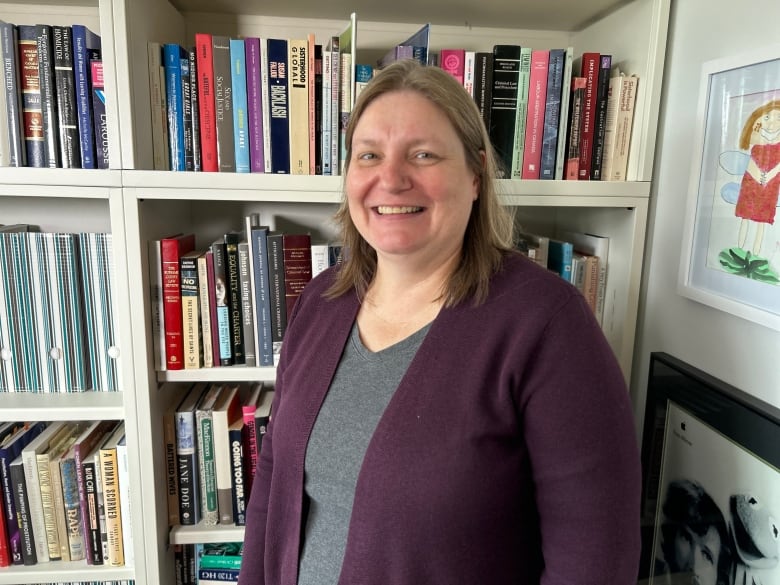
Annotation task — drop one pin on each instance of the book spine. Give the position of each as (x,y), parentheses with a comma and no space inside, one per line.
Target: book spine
(126,515)
(5,547)
(48,95)
(158,106)
(234,298)
(171,250)
(51,536)
(297,266)
(534,128)
(624,125)
(264,350)
(318,105)
(65,86)
(171,480)
(197,155)
(205,312)
(187,469)
(13,93)
(245,298)
(209,507)
(599,126)
(190,311)
(32,112)
(589,71)
(552,113)
(254,104)
(327,60)
(506,74)
(265,91)
(223,103)
(206,104)
(453,61)
(58,490)
(311,68)
(335,105)
(239,496)
(94,505)
(21,503)
(157,305)
(521,113)
(186,105)
(279,106)
(102,533)
(483,84)
(70,492)
(175,105)
(110,482)
(221,286)
(561,156)
(575,128)
(85,43)
(240,105)
(298,98)
(277,292)
(99,113)
(345,101)
(212,291)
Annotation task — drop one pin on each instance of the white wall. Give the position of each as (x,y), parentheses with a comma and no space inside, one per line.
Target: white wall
(740,352)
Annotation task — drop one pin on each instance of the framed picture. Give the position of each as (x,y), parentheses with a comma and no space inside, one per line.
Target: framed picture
(711,481)
(731,246)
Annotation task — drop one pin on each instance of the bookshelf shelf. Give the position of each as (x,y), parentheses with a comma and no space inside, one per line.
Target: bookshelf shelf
(137,205)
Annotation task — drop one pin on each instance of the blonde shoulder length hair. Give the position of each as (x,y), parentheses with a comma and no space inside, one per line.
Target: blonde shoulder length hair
(488,234)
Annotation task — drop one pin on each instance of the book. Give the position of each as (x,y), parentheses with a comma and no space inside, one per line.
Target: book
(335,105)
(503,110)
(453,61)
(217,576)
(24,519)
(96,535)
(187,471)
(223,103)
(222,303)
(559,258)
(598,246)
(246,300)
(220,555)
(197,155)
(186,102)
(483,84)
(589,70)
(233,285)
(238,75)
(254,90)
(238,495)
(521,113)
(227,410)
(326,104)
(8,432)
(204,301)
(65,90)
(190,309)
(563,120)
(297,266)
(277,294)
(125,504)
(249,434)
(204,424)
(47,439)
(172,249)
(174,56)
(552,114)
(298,99)
(618,138)
(99,114)
(159,107)
(279,106)
(32,112)
(157,304)
(600,117)
(258,238)
(212,292)
(573,158)
(206,103)
(109,476)
(171,479)
(312,110)
(347,60)
(265,92)
(534,127)
(535,246)
(86,47)
(51,151)
(12,89)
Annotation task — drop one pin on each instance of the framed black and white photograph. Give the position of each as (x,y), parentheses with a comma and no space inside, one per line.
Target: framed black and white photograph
(711,481)
(731,247)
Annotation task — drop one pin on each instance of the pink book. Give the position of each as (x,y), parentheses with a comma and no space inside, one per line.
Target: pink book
(172,249)
(534,127)
(453,62)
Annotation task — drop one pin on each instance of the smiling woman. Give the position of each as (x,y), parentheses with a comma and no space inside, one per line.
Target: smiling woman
(424,430)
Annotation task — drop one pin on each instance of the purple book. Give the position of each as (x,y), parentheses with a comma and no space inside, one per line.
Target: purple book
(254,94)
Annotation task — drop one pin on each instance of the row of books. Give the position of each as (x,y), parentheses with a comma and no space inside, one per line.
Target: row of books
(226,303)
(53,97)
(213,439)
(250,104)
(64,493)
(208,564)
(550,115)
(57,329)
(580,258)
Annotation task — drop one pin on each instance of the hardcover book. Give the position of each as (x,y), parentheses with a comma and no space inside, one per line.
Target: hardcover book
(227,411)
(506,77)
(48,89)
(65,89)
(32,118)
(190,310)
(233,283)
(172,249)
(86,47)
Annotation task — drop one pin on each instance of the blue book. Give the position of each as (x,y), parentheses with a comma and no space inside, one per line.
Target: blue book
(173,55)
(552,112)
(559,258)
(265,354)
(99,113)
(86,47)
(240,106)
(279,106)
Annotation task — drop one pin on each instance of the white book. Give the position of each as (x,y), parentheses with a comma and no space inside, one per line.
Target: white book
(468,71)
(319,258)
(123,474)
(226,411)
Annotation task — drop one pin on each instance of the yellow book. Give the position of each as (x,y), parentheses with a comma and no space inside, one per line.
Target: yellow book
(298,88)
(109,476)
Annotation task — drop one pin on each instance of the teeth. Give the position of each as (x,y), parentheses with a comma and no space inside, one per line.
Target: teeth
(388,210)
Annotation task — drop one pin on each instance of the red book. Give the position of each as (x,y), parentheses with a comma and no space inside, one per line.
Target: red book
(453,61)
(5,549)
(590,71)
(297,266)
(534,127)
(171,249)
(249,436)
(206,106)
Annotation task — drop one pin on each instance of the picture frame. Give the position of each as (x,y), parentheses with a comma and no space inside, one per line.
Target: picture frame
(731,241)
(710,480)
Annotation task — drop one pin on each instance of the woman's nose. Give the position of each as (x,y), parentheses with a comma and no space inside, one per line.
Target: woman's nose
(394,174)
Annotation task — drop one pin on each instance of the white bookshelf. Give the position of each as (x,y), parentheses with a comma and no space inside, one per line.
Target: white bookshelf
(137,204)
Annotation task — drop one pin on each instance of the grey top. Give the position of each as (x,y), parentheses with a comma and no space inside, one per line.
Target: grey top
(363,385)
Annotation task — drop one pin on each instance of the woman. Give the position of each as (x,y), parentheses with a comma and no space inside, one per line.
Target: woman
(446,411)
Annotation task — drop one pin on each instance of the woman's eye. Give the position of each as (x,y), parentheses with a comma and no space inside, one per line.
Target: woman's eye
(423,155)
(366,156)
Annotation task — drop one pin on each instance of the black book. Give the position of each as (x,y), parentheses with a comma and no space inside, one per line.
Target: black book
(65,88)
(51,148)
(503,111)
(19,485)
(600,123)
(234,297)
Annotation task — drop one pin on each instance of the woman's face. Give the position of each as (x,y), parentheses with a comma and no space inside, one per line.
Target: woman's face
(409,190)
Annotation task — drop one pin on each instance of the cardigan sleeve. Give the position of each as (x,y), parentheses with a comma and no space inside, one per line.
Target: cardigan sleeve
(580,433)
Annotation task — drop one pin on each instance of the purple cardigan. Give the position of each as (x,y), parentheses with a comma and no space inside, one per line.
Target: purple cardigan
(507,454)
